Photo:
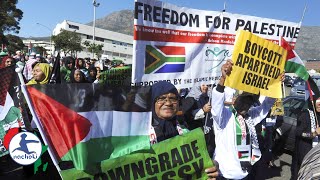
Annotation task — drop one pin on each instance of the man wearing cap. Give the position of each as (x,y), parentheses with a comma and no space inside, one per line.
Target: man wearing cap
(27,71)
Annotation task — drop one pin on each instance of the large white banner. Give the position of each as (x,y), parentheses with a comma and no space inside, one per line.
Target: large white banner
(188,46)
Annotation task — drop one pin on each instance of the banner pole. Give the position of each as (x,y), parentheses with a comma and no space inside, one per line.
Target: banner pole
(304,12)
(224,6)
(35,117)
(206,129)
(283,90)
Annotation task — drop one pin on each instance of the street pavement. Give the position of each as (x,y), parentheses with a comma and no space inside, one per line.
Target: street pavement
(282,171)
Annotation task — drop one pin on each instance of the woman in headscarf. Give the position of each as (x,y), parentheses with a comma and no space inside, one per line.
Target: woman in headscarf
(164,114)
(77,76)
(307,133)
(197,112)
(41,74)
(80,64)
(92,74)
(200,106)
(65,71)
(165,105)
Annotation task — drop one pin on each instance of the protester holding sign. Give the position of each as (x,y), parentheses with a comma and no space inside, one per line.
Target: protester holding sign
(237,147)
(164,108)
(258,63)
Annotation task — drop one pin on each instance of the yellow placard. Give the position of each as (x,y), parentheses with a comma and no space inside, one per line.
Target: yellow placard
(257,64)
(277,108)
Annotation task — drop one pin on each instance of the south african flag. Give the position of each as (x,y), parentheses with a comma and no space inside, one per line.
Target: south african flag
(164,59)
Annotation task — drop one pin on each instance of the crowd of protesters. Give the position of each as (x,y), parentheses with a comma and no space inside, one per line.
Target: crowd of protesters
(230,123)
(71,69)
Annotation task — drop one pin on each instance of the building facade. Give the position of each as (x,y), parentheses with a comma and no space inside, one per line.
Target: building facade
(116,46)
(31,43)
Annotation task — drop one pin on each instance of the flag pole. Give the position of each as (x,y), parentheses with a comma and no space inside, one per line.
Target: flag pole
(304,12)
(35,117)
(206,129)
(283,90)
(224,6)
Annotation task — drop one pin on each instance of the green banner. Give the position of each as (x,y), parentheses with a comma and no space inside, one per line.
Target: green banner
(116,76)
(182,157)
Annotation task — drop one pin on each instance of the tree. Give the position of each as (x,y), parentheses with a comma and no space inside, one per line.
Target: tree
(40,50)
(10,16)
(95,48)
(68,42)
(14,43)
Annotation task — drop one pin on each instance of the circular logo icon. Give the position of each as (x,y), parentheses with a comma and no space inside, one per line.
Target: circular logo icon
(25,148)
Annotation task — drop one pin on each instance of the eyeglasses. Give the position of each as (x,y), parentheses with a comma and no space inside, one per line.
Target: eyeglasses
(164,99)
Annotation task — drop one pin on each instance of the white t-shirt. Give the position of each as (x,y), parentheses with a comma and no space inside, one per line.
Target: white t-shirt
(229,94)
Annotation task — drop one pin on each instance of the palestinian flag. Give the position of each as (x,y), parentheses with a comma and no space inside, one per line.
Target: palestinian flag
(312,92)
(243,155)
(10,105)
(164,59)
(85,124)
(294,64)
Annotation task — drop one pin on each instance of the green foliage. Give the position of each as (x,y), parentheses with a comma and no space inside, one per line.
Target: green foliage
(95,48)
(68,42)
(9,18)
(14,43)
(40,50)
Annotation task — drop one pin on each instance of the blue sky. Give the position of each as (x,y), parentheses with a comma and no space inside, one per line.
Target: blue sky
(51,12)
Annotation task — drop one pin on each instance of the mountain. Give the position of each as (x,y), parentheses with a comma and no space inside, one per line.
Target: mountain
(307,46)
(308,43)
(47,38)
(119,21)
